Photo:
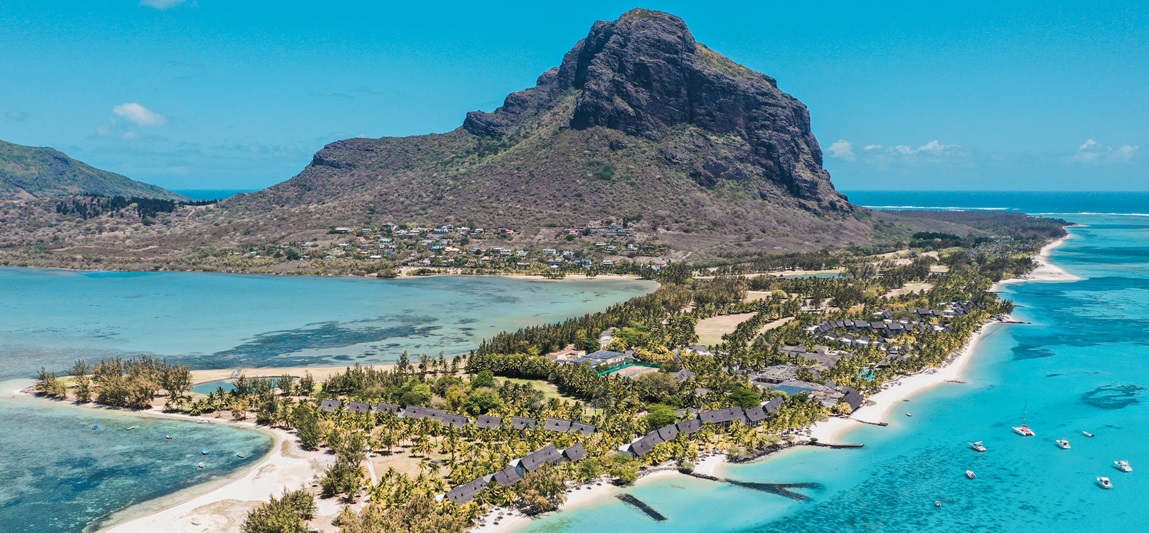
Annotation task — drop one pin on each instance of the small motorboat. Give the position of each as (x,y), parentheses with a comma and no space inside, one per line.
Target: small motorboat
(1063,444)
(133,427)
(205,451)
(977,446)
(95,427)
(1087,434)
(1105,483)
(201,465)
(1122,466)
(1024,431)
(909,414)
(970,474)
(169,437)
(240,455)
(937,504)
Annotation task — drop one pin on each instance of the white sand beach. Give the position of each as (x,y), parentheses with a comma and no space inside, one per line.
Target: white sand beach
(1046,271)
(223,508)
(286,467)
(879,407)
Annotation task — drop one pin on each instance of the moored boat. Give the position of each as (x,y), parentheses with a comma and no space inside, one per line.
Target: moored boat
(1024,431)
(1122,466)
(977,446)
(205,451)
(1087,434)
(970,474)
(1104,483)
(201,465)
(1063,444)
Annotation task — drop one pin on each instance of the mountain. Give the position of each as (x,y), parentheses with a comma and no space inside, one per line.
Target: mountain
(27,172)
(639,123)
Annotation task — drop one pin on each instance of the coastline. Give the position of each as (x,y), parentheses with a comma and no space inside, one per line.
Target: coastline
(1046,271)
(287,467)
(587,495)
(220,504)
(224,505)
(878,408)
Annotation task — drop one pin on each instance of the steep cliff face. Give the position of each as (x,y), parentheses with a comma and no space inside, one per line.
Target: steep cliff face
(644,75)
(639,122)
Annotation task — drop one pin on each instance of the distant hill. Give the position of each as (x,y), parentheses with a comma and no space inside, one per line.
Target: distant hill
(639,123)
(27,173)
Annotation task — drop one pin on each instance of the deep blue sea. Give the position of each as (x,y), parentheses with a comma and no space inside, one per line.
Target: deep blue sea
(60,474)
(1081,362)
(1025,202)
(211,194)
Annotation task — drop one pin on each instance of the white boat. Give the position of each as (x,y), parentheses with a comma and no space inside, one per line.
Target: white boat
(970,474)
(133,427)
(1104,482)
(1024,431)
(1087,434)
(201,465)
(1063,444)
(240,455)
(1122,466)
(909,414)
(978,446)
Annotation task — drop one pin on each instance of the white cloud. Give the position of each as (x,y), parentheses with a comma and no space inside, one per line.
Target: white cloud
(161,4)
(1125,153)
(934,148)
(842,149)
(1093,152)
(139,115)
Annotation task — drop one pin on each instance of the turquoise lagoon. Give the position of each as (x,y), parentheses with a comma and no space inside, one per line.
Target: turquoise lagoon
(60,474)
(1080,363)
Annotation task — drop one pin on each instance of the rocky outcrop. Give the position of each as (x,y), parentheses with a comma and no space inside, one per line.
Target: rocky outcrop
(645,75)
(639,122)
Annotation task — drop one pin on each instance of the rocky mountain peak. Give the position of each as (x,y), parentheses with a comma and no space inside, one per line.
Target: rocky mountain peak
(645,75)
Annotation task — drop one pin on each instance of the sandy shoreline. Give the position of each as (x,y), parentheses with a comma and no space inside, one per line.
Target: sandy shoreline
(587,495)
(878,408)
(1045,271)
(223,508)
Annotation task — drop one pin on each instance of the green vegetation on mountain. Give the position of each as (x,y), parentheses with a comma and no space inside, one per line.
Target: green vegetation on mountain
(28,172)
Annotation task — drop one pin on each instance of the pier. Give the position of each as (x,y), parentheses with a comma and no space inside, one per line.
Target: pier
(781,489)
(837,446)
(641,506)
(883,424)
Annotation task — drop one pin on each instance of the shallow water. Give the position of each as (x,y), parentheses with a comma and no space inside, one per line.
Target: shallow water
(61,475)
(53,317)
(66,468)
(1082,363)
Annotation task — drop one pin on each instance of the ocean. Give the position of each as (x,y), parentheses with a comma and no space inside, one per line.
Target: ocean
(1080,362)
(68,468)
(211,194)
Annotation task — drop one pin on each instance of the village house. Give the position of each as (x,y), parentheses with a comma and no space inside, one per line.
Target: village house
(722,417)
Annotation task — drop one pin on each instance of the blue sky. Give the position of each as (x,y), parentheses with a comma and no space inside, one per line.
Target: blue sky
(204,94)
